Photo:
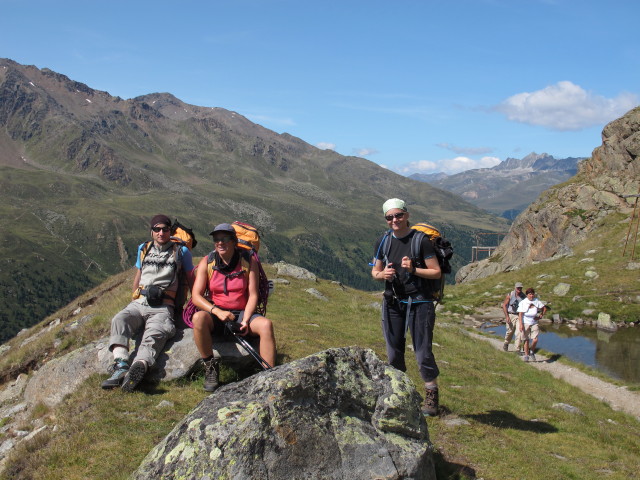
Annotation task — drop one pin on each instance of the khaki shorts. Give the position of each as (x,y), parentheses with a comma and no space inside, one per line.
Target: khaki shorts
(531,331)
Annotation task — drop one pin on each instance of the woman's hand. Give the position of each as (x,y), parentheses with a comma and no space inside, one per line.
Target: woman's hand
(244,328)
(389,272)
(224,315)
(407,264)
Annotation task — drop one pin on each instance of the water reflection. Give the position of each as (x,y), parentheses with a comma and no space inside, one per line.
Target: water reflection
(616,354)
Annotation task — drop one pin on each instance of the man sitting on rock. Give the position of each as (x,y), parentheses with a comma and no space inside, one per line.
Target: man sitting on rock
(158,265)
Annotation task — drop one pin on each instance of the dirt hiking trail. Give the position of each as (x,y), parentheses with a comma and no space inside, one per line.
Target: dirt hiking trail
(618,398)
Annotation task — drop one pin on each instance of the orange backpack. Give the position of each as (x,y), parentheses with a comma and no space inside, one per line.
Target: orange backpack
(248,236)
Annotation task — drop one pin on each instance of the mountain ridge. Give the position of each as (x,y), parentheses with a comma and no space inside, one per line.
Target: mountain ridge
(81,171)
(509,187)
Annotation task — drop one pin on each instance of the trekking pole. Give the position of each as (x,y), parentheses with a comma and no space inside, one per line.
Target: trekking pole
(234,328)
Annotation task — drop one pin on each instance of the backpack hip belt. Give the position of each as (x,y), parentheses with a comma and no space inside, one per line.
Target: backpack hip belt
(166,295)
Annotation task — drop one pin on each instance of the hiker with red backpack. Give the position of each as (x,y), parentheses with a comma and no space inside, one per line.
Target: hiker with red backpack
(408,300)
(159,263)
(226,289)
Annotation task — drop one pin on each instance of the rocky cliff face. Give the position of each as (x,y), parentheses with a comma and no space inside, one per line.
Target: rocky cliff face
(564,215)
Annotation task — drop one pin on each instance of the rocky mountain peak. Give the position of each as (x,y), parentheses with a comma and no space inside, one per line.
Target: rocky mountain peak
(509,187)
(527,162)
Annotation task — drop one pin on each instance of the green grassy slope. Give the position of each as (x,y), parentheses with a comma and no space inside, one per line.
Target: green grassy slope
(499,417)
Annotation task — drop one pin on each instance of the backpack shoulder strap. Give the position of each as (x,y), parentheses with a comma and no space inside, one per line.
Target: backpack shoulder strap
(143,252)
(177,253)
(245,260)
(211,265)
(385,246)
(416,241)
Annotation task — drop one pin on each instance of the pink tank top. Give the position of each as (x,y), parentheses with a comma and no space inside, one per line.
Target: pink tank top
(230,292)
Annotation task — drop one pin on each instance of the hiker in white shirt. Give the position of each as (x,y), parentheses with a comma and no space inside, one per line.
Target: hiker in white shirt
(530,310)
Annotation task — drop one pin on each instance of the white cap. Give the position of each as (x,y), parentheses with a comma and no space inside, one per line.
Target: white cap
(394,203)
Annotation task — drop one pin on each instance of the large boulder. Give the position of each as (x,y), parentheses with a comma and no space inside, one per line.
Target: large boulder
(341,413)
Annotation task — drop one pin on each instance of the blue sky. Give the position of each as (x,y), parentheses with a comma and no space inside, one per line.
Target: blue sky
(415,86)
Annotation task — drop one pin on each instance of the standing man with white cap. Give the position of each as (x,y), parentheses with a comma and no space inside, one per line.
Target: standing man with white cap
(408,299)
(510,309)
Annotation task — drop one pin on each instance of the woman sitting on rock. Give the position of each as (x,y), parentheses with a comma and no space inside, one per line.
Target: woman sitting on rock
(231,287)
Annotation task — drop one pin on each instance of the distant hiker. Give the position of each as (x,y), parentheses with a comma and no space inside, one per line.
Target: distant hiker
(226,290)
(408,302)
(154,288)
(510,309)
(529,312)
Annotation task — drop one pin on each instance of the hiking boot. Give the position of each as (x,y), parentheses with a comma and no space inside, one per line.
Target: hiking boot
(118,370)
(532,357)
(211,375)
(505,347)
(134,376)
(431,402)
(525,358)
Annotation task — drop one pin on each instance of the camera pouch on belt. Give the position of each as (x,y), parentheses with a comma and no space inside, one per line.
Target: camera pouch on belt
(154,295)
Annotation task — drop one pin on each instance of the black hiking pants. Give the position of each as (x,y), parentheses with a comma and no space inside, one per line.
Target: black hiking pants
(421,320)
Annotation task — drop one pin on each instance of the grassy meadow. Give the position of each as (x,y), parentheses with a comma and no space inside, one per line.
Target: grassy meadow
(498,417)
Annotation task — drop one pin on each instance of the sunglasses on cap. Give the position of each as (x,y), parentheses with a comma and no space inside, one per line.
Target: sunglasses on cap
(397,216)
(157,229)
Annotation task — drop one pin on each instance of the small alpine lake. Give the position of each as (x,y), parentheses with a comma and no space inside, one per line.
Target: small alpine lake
(616,354)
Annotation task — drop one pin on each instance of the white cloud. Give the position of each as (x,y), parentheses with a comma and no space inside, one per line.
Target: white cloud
(565,106)
(421,166)
(449,166)
(326,146)
(460,164)
(363,152)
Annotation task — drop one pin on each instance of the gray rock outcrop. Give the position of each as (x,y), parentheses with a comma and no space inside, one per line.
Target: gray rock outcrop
(338,414)
(61,376)
(564,215)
